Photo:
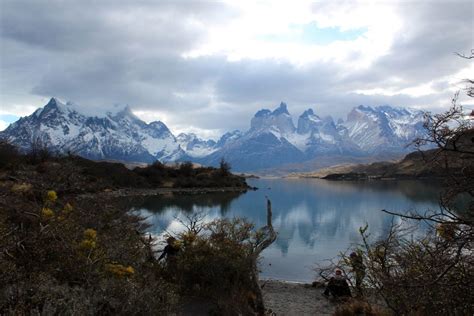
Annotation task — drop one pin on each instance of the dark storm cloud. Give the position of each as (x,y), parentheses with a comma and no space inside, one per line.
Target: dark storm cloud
(107,25)
(103,52)
(106,52)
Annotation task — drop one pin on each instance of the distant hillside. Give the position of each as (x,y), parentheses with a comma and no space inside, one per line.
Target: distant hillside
(416,165)
(325,163)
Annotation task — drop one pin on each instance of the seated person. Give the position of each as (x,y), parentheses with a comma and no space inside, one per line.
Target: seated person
(337,286)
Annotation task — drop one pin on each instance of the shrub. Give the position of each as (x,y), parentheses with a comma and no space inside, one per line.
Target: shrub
(186,169)
(38,151)
(216,263)
(71,257)
(356,307)
(9,154)
(224,167)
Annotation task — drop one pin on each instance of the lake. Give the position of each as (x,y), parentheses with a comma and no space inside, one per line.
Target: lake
(315,219)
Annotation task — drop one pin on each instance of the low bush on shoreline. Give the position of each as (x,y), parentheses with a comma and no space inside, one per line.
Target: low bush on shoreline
(73,174)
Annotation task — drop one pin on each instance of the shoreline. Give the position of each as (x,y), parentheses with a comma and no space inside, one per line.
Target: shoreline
(134,192)
(290,298)
(263,280)
(370,178)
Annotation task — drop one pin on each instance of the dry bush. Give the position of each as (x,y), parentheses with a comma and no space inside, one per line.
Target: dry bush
(38,151)
(218,262)
(429,275)
(432,274)
(9,154)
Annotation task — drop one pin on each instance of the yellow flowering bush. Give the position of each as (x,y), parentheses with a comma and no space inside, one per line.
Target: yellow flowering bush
(67,208)
(119,270)
(21,188)
(90,234)
(88,244)
(47,213)
(51,196)
(89,241)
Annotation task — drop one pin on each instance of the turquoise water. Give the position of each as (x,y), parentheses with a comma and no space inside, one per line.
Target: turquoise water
(315,219)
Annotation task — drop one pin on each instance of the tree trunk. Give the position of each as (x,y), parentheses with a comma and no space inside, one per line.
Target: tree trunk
(268,240)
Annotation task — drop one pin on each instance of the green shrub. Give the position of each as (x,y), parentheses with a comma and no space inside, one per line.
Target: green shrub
(216,263)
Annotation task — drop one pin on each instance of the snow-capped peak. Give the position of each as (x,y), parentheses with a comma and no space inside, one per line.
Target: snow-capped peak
(55,105)
(365,108)
(308,112)
(278,122)
(123,113)
(195,146)
(53,102)
(101,111)
(308,121)
(229,137)
(282,109)
(383,127)
(158,125)
(114,135)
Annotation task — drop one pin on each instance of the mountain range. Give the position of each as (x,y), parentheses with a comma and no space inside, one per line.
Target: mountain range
(273,139)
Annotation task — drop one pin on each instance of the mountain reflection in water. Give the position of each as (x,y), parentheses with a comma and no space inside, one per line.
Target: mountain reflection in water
(315,219)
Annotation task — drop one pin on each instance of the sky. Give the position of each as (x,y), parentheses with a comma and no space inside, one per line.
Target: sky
(207,66)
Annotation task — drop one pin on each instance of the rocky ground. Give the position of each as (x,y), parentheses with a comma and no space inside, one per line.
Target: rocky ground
(289,298)
(281,299)
(285,298)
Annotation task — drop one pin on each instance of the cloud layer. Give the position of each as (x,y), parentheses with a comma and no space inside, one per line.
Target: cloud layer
(208,66)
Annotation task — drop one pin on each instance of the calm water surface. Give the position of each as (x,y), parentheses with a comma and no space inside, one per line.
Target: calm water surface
(315,219)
